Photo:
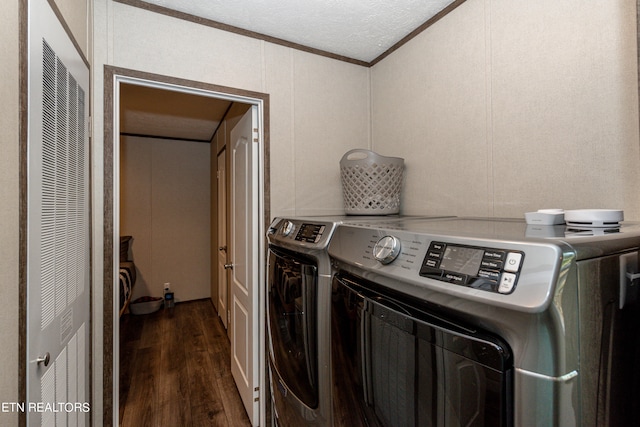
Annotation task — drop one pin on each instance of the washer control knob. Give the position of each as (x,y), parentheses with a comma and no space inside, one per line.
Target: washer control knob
(287,228)
(386,249)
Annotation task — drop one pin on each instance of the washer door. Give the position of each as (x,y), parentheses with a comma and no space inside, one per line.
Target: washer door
(395,364)
(292,300)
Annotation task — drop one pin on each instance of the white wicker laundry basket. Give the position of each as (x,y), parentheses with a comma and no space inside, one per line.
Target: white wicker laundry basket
(371,183)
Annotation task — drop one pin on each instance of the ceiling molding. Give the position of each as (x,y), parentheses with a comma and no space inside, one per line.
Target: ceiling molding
(417,31)
(252,34)
(236,30)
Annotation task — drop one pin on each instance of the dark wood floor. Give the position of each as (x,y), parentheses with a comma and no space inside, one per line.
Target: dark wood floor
(175,370)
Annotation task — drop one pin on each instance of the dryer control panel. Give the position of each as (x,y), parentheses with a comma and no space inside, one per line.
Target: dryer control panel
(301,232)
(310,232)
(489,269)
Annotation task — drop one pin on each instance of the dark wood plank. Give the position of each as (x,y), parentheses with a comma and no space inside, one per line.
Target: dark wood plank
(206,402)
(231,401)
(174,384)
(152,328)
(175,369)
(142,401)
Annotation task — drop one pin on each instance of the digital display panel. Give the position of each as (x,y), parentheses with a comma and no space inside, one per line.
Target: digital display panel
(462,260)
(308,232)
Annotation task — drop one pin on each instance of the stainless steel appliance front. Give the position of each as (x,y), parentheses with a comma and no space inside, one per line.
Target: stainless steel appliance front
(433,336)
(298,326)
(298,293)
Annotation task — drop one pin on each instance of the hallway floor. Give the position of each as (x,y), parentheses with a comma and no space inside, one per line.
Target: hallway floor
(175,370)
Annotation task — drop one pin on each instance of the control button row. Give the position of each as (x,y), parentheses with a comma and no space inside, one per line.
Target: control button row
(491,280)
(498,269)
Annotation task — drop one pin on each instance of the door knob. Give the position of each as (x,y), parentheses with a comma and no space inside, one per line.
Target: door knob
(228,266)
(222,248)
(44,359)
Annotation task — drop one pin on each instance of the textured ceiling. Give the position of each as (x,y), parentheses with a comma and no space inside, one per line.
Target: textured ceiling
(356,29)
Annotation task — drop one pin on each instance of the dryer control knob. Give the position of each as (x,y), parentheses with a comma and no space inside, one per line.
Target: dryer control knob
(386,249)
(287,228)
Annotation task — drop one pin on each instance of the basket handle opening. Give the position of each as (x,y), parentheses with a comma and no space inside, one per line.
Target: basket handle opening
(357,154)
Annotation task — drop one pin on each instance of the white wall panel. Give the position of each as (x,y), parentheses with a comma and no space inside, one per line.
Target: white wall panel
(429,107)
(173,47)
(135,208)
(331,111)
(279,83)
(504,107)
(165,193)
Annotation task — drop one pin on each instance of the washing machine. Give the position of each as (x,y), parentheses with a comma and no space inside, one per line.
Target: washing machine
(485,322)
(299,276)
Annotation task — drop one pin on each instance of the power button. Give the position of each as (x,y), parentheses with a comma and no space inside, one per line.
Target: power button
(512,263)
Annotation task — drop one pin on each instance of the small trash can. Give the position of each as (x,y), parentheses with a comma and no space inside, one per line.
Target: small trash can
(371,183)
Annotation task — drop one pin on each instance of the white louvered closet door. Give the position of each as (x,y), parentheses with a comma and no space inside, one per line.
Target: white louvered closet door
(58,251)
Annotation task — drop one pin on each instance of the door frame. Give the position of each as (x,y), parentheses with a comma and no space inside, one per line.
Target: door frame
(113,77)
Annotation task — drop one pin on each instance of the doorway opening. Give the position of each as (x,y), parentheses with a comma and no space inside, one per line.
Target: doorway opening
(115,80)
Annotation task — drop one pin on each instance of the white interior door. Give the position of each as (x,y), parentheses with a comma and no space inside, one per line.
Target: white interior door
(223,284)
(245,241)
(58,272)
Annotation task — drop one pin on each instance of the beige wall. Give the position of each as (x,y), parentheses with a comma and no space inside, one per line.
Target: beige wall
(9,219)
(165,206)
(505,107)
(76,15)
(319,106)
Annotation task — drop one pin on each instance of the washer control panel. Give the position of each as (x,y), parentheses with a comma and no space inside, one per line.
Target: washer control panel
(387,249)
(489,269)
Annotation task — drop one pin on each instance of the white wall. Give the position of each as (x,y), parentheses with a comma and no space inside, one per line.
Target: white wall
(165,206)
(504,107)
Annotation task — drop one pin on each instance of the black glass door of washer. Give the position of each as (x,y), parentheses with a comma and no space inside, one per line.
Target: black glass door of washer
(292,296)
(397,366)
